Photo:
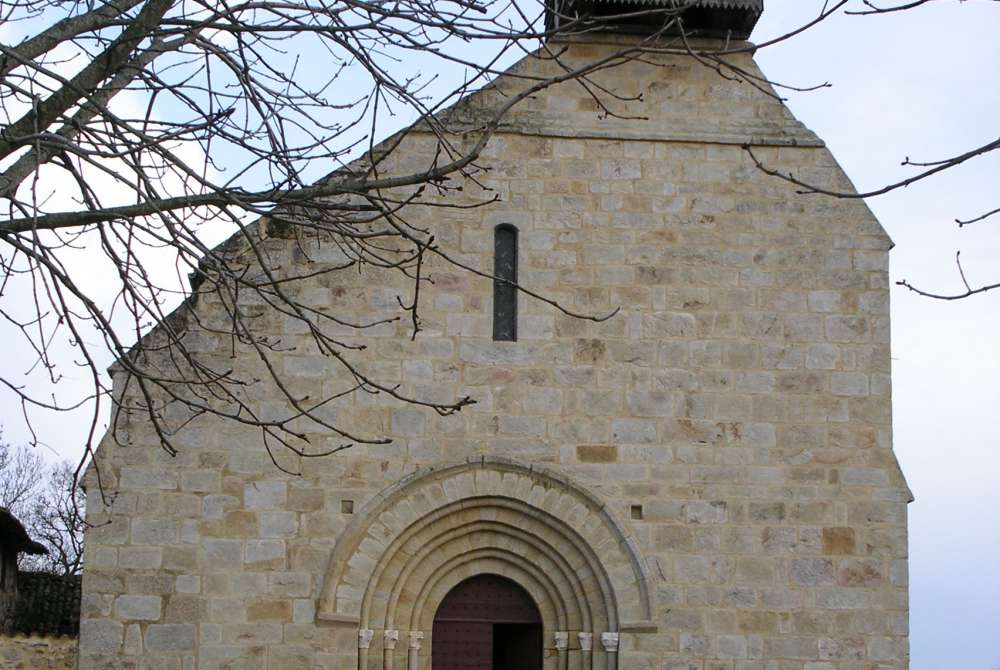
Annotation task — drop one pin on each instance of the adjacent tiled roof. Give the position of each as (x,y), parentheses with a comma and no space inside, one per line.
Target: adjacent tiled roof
(703,18)
(47,604)
(13,535)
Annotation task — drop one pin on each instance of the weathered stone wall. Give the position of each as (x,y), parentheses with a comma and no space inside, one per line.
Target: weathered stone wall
(735,412)
(19,652)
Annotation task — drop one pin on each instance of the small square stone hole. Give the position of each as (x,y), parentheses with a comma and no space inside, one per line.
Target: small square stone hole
(347,507)
(636,511)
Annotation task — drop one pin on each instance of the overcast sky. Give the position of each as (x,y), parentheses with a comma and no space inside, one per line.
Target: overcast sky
(924,84)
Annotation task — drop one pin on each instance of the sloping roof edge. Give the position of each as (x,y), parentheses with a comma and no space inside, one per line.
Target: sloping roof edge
(12,533)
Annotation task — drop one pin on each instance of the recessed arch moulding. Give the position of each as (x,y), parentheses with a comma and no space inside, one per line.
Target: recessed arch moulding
(419,538)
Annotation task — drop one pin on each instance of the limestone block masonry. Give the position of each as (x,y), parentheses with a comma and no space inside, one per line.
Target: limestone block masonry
(704,481)
(32,652)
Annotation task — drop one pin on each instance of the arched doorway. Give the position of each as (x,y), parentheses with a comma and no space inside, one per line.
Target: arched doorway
(487,622)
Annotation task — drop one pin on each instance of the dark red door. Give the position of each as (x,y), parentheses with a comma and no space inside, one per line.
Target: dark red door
(487,623)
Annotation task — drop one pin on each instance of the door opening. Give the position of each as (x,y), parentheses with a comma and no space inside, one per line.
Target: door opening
(487,622)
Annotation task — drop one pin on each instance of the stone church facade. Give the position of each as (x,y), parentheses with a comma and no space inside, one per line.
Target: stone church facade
(704,481)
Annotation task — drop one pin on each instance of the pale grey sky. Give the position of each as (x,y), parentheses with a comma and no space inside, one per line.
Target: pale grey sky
(923,84)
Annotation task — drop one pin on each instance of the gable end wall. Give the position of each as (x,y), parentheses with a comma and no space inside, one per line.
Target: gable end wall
(741,398)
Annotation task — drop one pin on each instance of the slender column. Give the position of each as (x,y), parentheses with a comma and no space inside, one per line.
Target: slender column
(389,648)
(610,643)
(587,650)
(416,639)
(365,636)
(562,648)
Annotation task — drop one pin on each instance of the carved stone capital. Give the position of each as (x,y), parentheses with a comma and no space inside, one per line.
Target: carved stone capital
(416,639)
(562,641)
(610,642)
(586,641)
(365,636)
(390,639)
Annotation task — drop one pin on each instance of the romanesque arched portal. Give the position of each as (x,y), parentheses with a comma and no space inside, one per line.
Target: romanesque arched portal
(414,542)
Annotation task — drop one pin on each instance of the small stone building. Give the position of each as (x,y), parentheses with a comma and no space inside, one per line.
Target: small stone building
(704,481)
(28,640)
(14,541)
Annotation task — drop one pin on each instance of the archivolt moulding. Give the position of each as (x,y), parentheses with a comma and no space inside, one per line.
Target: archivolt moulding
(398,557)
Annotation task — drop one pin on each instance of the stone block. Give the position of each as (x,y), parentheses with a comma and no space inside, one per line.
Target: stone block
(864,477)
(155,531)
(802,648)
(653,403)
(289,584)
(247,634)
(698,645)
(185,608)
(839,541)
(822,356)
(757,622)
(812,571)
(279,524)
(842,599)
(767,512)
(278,610)
(668,324)
(144,479)
(848,329)
(674,539)
(849,383)
(288,657)
(261,554)
(634,431)
(703,569)
(221,554)
(265,495)
(216,656)
(167,638)
(860,572)
(180,558)
(597,454)
(621,168)
(140,558)
(706,512)
(150,583)
(201,481)
(214,506)
(303,611)
(188,584)
(138,608)
(522,425)
(754,570)
(101,635)
(731,646)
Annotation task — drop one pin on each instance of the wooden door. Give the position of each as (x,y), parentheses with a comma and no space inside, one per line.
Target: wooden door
(487,623)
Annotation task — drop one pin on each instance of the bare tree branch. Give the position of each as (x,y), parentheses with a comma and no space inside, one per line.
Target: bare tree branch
(969,291)
(938,166)
(169,125)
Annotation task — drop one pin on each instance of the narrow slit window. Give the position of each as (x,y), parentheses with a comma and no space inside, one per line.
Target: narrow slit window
(504,290)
